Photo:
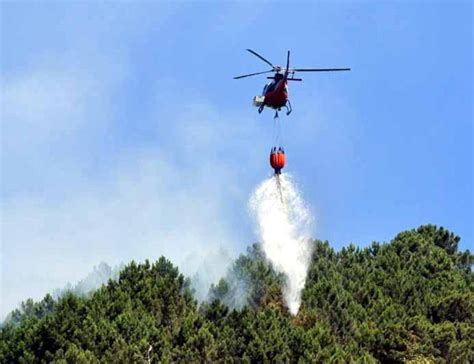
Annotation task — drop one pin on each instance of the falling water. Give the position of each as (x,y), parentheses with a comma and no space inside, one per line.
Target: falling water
(284,225)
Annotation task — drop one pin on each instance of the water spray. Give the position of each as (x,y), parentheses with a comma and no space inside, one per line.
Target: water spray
(284,223)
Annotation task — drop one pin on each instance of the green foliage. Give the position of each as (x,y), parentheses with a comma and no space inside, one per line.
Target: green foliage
(411,300)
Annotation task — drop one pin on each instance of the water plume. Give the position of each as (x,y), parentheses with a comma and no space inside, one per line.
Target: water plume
(284,224)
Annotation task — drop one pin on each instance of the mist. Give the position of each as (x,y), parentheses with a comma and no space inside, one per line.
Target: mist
(284,225)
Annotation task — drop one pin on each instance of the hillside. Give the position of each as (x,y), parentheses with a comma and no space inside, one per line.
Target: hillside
(411,299)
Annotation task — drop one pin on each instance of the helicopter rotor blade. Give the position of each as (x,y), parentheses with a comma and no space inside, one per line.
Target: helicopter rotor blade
(259,56)
(252,74)
(287,62)
(318,69)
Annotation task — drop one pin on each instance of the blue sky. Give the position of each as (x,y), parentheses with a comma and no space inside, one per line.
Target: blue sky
(124,135)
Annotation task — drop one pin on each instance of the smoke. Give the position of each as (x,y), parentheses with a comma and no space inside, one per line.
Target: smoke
(206,268)
(284,225)
(100,275)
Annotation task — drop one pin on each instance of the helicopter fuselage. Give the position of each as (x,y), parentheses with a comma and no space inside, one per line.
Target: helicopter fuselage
(276,94)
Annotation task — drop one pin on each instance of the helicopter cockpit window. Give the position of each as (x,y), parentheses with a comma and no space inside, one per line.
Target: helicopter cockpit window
(268,87)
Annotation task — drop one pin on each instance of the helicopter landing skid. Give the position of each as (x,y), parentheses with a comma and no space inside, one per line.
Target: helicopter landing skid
(288,107)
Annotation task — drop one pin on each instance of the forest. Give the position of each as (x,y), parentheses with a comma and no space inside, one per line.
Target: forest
(408,300)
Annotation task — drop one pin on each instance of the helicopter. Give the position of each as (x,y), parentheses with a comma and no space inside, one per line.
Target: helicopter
(275,93)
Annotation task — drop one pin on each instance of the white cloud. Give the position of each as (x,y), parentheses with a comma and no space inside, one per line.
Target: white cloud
(147,209)
(54,98)
(54,113)
(178,198)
